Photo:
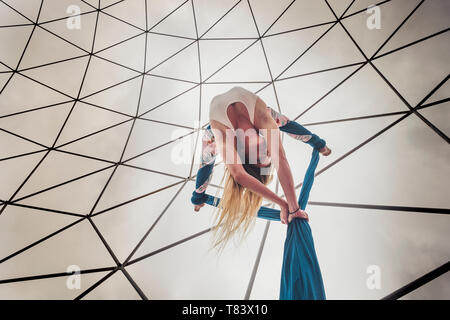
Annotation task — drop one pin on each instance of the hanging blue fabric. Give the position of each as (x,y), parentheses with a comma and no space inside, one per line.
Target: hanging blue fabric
(301,278)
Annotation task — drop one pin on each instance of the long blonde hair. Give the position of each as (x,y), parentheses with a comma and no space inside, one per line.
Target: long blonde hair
(237,210)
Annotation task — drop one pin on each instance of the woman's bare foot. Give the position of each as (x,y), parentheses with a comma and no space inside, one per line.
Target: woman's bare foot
(299,214)
(325,151)
(197,207)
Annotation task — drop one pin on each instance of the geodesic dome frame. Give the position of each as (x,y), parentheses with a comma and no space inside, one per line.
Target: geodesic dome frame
(84,113)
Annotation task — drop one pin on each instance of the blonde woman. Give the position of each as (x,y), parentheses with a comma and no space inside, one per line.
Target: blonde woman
(246,132)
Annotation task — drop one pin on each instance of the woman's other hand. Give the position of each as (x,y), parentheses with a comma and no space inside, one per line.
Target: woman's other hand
(299,214)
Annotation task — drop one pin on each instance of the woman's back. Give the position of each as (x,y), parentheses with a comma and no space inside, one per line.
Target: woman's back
(220,103)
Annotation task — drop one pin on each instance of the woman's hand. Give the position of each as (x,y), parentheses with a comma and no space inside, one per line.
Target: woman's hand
(197,207)
(286,218)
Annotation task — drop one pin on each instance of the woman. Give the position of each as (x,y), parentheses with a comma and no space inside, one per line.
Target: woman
(246,133)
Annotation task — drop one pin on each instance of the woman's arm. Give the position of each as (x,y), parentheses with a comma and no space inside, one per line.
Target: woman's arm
(275,149)
(247,181)
(234,165)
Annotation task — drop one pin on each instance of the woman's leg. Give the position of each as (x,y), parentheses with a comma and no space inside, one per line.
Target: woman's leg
(299,132)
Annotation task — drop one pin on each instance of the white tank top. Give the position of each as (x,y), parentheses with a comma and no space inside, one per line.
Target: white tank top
(219,104)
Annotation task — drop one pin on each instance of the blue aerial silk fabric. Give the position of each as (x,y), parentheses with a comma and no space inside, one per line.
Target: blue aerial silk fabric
(301,278)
